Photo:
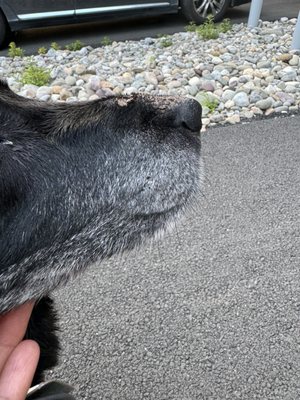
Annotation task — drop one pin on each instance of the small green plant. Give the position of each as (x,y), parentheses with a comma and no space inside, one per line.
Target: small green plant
(209,29)
(165,40)
(225,26)
(55,46)
(151,59)
(191,27)
(15,51)
(34,75)
(106,41)
(74,46)
(210,103)
(42,50)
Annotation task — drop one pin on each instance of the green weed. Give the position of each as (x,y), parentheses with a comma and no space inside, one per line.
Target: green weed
(42,50)
(74,46)
(165,40)
(191,27)
(210,103)
(55,46)
(210,30)
(106,41)
(34,75)
(225,25)
(14,51)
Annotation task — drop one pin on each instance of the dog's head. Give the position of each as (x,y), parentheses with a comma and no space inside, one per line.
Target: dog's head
(79,182)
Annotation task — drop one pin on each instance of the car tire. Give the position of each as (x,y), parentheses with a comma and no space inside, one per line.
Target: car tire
(5,32)
(198,10)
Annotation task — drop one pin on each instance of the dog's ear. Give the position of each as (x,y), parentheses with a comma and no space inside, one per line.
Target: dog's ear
(4,86)
(8,97)
(20,112)
(13,180)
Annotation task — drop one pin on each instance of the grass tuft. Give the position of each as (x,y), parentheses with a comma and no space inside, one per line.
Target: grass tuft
(165,40)
(14,51)
(191,27)
(225,25)
(209,30)
(75,46)
(106,41)
(209,102)
(34,75)
(55,46)
(42,50)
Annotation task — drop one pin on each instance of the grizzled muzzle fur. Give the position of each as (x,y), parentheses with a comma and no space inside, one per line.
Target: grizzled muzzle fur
(81,182)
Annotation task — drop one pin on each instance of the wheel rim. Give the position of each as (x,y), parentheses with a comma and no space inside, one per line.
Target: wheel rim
(206,7)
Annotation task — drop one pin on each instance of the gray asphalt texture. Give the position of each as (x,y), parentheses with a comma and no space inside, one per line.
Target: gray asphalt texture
(213,311)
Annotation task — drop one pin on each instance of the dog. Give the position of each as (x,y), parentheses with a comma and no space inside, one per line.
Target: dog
(80,182)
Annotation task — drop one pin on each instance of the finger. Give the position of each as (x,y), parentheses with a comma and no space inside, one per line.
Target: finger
(12,330)
(19,370)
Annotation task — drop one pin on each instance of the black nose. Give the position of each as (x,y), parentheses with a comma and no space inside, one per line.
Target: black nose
(188,115)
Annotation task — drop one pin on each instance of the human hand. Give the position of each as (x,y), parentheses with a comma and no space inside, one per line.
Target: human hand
(18,357)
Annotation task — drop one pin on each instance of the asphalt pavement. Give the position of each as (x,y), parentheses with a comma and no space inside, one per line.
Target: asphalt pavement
(92,33)
(213,311)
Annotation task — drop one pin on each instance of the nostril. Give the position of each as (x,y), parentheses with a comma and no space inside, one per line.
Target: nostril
(184,125)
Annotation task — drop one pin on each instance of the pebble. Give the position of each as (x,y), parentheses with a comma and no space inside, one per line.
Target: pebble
(281,109)
(269,111)
(208,86)
(265,103)
(228,95)
(151,78)
(288,74)
(195,81)
(232,49)
(233,119)
(247,73)
(256,110)
(70,80)
(286,57)
(233,82)
(229,104)
(294,61)
(241,99)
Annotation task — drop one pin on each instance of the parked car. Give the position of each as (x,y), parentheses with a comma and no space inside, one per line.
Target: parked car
(16,15)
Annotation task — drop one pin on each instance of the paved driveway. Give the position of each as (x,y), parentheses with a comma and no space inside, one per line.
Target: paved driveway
(213,312)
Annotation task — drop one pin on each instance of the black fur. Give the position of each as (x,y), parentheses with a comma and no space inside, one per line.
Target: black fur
(80,182)
(42,328)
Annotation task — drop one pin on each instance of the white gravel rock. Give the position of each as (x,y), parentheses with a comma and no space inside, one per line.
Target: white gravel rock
(294,61)
(288,74)
(216,60)
(265,103)
(233,119)
(70,81)
(232,49)
(150,78)
(228,95)
(229,104)
(43,90)
(243,73)
(195,81)
(241,99)
(233,82)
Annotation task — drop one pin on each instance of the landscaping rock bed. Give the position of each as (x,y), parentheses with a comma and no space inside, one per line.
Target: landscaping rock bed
(242,74)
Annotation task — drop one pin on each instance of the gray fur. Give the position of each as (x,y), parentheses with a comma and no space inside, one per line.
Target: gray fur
(82,182)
